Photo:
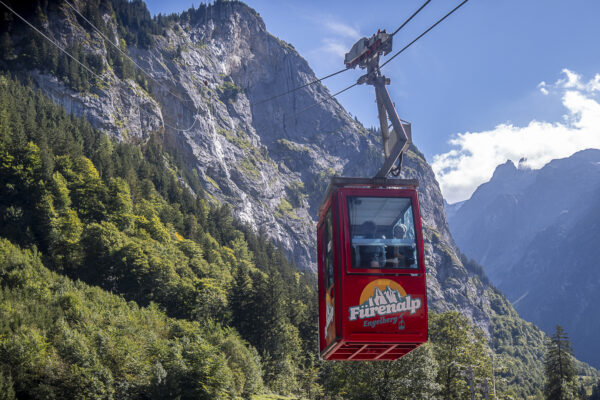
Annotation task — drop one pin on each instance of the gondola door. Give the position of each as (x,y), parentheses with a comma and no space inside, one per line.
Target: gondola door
(327,281)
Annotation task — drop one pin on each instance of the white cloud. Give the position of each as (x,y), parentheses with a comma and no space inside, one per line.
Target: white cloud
(336,40)
(341,29)
(333,47)
(475,155)
(573,81)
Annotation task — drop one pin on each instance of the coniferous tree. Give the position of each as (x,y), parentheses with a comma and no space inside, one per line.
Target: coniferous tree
(239,299)
(33,52)
(595,392)
(74,78)
(6,47)
(559,367)
(53,57)
(459,348)
(62,68)
(7,391)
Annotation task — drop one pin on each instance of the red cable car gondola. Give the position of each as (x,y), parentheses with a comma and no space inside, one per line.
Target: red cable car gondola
(372,288)
(372,291)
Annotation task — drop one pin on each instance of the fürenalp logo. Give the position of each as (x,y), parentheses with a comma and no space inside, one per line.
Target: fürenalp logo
(392,300)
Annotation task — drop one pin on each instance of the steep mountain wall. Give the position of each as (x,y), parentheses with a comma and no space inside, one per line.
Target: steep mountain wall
(210,72)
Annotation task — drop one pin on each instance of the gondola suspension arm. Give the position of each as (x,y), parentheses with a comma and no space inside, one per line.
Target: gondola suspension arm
(396,141)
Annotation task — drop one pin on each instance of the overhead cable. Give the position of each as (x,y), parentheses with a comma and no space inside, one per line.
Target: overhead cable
(80,63)
(55,44)
(411,17)
(325,99)
(303,86)
(122,52)
(395,55)
(179,129)
(423,34)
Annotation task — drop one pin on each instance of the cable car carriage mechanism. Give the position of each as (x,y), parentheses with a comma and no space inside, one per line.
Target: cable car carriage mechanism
(371,269)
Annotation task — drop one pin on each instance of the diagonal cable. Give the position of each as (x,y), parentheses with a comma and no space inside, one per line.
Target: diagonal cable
(325,99)
(303,86)
(179,129)
(77,61)
(411,17)
(122,52)
(55,44)
(423,34)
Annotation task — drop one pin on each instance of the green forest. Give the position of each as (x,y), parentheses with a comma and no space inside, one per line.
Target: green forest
(120,279)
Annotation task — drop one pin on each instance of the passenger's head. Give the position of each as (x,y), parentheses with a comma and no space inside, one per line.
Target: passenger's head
(400,231)
(368,228)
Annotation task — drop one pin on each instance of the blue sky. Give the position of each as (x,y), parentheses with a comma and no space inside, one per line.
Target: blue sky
(473,86)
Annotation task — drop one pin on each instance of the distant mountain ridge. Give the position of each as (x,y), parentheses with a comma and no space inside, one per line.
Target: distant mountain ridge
(451,209)
(536,233)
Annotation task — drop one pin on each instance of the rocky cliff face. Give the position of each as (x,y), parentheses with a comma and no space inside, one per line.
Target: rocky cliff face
(209,78)
(211,70)
(491,209)
(210,74)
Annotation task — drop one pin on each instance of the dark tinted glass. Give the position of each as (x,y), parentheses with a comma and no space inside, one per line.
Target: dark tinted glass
(382,232)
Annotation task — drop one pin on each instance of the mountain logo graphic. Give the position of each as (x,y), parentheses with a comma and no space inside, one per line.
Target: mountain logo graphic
(329,317)
(383,297)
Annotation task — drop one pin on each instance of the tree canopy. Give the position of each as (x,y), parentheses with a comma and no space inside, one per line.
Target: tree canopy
(559,367)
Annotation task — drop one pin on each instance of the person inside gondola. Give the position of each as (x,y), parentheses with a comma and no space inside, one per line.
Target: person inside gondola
(402,256)
(372,255)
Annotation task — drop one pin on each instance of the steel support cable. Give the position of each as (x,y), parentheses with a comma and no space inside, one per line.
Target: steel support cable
(411,17)
(300,87)
(395,55)
(122,52)
(325,99)
(54,43)
(79,62)
(423,34)
(342,70)
(179,129)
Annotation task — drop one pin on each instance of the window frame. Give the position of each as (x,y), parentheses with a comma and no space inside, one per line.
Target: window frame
(345,221)
(328,260)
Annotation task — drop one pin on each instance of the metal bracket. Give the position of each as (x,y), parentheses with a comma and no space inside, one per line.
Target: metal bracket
(396,142)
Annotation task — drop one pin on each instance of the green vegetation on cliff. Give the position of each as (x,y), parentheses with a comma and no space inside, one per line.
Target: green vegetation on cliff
(20,47)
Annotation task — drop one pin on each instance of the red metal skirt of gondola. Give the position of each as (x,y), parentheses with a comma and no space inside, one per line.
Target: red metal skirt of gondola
(372,289)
